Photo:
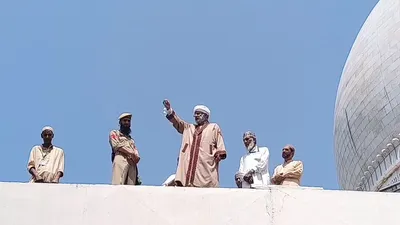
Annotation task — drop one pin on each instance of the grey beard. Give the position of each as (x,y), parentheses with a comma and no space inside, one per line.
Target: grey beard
(251,146)
(202,120)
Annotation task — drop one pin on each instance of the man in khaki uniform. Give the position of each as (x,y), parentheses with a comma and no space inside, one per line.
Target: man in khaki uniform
(125,156)
(290,172)
(46,161)
(202,148)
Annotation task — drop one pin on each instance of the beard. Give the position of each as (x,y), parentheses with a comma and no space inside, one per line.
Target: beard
(201,119)
(286,155)
(251,145)
(125,130)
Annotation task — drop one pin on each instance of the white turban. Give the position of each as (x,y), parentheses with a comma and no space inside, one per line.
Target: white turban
(202,108)
(48,128)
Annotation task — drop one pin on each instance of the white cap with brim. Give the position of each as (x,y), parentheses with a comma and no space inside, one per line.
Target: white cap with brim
(123,115)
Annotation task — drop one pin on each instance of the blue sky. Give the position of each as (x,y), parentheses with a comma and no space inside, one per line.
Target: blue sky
(272,67)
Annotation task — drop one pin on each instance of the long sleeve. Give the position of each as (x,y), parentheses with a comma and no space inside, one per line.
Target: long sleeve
(240,171)
(177,122)
(220,144)
(296,172)
(61,163)
(169,181)
(239,174)
(263,163)
(114,140)
(31,160)
(135,150)
(273,176)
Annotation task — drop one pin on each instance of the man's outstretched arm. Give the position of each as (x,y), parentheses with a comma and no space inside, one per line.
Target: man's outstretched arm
(176,121)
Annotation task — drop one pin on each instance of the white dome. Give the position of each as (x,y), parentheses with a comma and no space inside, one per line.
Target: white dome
(367,111)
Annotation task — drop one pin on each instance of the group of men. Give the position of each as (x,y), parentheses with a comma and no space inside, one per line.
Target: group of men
(202,149)
(253,170)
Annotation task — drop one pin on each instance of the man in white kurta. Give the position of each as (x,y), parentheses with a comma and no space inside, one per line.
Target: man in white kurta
(253,170)
(170,181)
(46,161)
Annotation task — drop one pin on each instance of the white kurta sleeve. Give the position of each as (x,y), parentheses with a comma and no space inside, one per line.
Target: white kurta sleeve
(241,168)
(273,176)
(296,172)
(240,172)
(169,180)
(263,163)
(31,161)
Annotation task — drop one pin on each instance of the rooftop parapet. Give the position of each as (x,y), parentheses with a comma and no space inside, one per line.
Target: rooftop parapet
(78,204)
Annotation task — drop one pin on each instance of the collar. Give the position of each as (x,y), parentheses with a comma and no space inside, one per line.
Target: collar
(122,134)
(287,162)
(199,129)
(204,124)
(46,149)
(254,150)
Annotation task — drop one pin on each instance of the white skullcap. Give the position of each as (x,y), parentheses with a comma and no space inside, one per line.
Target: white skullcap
(249,133)
(48,128)
(202,108)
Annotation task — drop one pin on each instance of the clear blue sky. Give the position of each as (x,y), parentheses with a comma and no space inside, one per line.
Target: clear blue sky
(268,66)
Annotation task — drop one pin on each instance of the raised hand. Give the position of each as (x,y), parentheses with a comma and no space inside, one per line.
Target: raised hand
(167,104)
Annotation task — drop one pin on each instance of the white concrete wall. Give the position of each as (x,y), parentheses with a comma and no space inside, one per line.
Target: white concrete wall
(68,204)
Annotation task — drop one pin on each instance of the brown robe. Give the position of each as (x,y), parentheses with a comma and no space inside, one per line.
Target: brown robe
(197,166)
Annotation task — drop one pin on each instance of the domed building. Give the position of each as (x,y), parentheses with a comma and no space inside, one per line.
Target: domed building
(367,110)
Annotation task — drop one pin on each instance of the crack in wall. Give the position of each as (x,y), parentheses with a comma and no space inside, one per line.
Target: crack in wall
(351,134)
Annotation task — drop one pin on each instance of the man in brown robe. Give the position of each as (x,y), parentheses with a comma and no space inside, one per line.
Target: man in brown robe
(46,161)
(125,156)
(290,172)
(201,150)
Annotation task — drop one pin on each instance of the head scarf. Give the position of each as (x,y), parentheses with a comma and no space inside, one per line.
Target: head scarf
(202,108)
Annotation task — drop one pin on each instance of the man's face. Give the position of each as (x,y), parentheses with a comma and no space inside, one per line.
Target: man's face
(125,122)
(200,117)
(47,136)
(286,152)
(249,142)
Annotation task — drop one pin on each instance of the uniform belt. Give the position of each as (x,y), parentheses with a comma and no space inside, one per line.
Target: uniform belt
(122,154)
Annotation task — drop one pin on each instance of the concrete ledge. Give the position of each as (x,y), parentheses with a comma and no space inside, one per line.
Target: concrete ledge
(73,204)
(285,187)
